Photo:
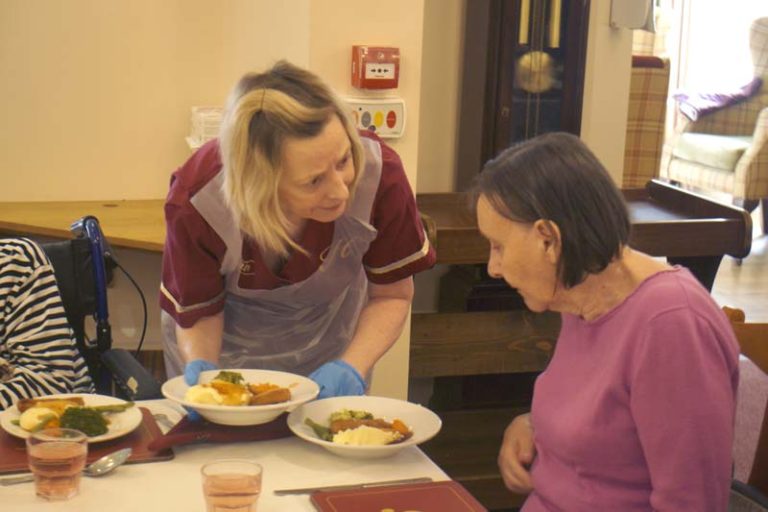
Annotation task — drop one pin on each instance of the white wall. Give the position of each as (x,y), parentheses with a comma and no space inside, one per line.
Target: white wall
(96,94)
(606,89)
(336,25)
(440,94)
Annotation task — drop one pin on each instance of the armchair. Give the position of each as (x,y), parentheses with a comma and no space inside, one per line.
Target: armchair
(648,91)
(726,151)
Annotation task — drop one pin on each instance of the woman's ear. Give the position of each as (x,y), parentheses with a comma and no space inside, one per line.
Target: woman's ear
(548,234)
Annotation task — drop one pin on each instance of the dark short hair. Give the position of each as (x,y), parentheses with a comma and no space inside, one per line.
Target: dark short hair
(555,177)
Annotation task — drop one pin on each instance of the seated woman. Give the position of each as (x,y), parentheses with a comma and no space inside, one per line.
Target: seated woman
(635,410)
(38,355)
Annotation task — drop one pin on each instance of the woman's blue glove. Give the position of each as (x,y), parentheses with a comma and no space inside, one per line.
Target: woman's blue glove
(338,378)
(191,375)
(194,368)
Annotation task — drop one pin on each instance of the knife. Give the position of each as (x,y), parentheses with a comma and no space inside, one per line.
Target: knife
(383,483)
(29,477)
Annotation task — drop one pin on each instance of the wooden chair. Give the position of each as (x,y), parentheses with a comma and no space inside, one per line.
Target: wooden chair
(750,485)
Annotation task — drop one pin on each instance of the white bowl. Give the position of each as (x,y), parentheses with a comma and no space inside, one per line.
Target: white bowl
(424,423)
(302,390)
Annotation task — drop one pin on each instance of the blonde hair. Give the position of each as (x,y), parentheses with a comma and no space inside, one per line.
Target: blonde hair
(263,110)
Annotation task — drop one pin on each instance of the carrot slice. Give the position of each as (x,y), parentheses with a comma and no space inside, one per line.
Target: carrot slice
(401,427)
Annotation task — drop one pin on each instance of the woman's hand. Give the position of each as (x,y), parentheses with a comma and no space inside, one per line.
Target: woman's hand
(193,369)
(516,454)
(338,378)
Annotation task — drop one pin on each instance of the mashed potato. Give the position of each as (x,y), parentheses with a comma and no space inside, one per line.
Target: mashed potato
(229,388)
(32,417)
(366,436)
(203,395)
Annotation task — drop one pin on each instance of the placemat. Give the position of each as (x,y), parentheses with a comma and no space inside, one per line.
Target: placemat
(13,454)
(186,431)
(429,497)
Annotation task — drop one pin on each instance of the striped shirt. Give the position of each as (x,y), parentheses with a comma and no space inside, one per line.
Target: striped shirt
(38,353)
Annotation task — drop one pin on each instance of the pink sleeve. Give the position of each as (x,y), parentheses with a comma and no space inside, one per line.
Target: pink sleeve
(682,383)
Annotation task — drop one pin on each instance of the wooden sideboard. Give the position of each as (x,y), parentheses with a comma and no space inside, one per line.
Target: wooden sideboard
(136,224)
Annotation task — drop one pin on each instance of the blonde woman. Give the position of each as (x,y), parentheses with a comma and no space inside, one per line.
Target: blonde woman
(291,241)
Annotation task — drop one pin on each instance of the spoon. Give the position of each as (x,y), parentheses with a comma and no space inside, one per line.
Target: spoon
(107,463)
(100,467)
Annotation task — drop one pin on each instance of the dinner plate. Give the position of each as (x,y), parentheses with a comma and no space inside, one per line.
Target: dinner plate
(424,423)
(120,423)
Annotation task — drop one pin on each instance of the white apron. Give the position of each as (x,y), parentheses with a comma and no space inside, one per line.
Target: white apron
(300,326)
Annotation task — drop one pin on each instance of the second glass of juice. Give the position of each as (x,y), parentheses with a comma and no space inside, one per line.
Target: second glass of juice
(231,485)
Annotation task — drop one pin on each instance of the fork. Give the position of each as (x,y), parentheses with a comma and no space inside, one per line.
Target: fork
(164,420)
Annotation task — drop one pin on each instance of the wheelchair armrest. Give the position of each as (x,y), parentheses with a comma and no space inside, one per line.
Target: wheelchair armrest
(131,377)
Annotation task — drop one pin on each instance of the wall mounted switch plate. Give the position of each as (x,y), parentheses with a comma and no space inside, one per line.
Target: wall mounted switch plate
(383,116)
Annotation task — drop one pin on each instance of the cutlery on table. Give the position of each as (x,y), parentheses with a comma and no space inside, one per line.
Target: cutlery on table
(383,483)
(164,420)
(100,467)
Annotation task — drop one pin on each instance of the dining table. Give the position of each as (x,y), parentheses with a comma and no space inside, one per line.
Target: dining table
(175,484)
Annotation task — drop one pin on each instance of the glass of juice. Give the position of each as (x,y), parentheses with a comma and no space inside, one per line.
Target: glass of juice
(56,457)
(231,485)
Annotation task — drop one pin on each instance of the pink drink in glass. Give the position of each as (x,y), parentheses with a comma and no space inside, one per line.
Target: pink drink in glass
(231,485)
(57,457)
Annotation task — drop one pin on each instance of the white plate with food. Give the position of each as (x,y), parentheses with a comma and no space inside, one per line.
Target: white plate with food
(51,411)
(242,397)
(364,427)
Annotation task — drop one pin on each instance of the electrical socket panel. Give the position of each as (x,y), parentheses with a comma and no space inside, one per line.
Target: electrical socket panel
(383,116)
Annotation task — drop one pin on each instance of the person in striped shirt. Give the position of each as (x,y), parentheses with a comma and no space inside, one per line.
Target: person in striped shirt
(38,354)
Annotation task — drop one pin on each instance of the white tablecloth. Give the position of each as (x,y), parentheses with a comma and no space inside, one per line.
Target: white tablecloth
(175,485)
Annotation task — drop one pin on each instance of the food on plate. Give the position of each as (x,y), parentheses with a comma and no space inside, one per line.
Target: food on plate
(87,420)
(55,404)
(367,436)
(200,394)
(360,428)
(35,418)
(40,413)
(271,396)
(230,388)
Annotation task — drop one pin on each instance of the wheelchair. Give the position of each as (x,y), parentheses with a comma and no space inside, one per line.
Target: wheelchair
(83,267)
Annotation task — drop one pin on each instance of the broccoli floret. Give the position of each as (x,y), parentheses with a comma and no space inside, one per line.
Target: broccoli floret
(233,377)
(88,421)
(349,414)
